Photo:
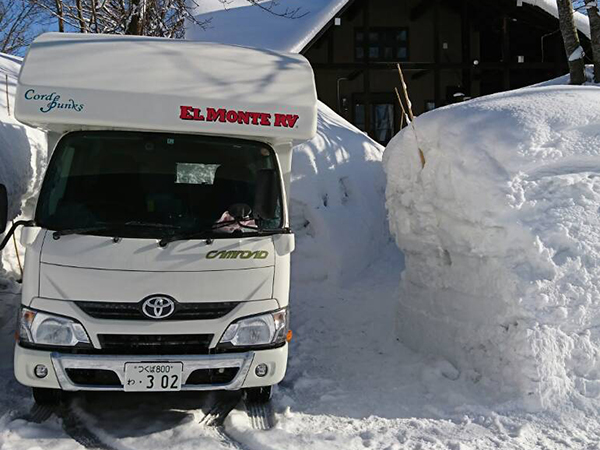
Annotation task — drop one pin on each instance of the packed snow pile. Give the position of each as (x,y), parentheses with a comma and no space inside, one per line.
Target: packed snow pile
(501,233)
(337,207)
(22,156)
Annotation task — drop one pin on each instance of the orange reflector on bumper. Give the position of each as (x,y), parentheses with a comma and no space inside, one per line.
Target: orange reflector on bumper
(288,337)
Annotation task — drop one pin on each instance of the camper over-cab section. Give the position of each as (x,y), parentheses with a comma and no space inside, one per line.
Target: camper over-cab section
(79,81)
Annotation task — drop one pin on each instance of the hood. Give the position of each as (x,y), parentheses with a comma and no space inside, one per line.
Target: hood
(95,268)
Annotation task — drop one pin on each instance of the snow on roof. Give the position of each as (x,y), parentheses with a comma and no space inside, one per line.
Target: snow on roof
(239,22)
(71,80)
(581,20)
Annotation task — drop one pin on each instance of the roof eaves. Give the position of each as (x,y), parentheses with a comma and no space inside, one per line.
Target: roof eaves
(317,33)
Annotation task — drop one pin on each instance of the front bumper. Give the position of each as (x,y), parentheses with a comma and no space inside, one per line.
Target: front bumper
(58,364)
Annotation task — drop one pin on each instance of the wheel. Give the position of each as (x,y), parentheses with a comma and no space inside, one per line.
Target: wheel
(47,397)
(259,394)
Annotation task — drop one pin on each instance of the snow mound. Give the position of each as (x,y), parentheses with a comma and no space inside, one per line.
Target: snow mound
(565,79)
(22,156)
(501,235)
(337,201)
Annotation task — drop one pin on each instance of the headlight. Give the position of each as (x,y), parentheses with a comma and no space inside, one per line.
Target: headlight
(265,329)
(36,327)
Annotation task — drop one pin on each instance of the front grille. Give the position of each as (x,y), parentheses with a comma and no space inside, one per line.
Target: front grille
(93,377)
(150,344)
(212,376)
(133,311)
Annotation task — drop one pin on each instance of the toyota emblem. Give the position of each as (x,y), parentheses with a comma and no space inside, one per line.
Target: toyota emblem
(158,307)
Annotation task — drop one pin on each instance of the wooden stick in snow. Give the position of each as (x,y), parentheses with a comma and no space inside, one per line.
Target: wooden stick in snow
(411,116)
(404,115)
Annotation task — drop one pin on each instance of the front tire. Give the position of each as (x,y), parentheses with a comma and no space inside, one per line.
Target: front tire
(259,394)
(47,397)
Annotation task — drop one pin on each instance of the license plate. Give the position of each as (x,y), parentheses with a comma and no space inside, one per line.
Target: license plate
(151,377)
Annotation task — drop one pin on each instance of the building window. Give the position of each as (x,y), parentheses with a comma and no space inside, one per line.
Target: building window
(382,44)
(382,119)
(382,122)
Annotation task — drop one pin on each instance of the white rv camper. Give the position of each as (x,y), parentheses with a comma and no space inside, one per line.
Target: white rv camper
(159,256)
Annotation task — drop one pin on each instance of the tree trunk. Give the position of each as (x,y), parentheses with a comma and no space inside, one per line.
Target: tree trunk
(594,15)
(135,21)
(571,39)
(59,13)
(80,19)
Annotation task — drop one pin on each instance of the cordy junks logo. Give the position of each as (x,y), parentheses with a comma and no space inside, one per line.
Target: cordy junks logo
(158,307)
(52,101)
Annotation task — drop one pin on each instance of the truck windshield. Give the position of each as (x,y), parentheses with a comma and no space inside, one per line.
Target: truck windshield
(151,184)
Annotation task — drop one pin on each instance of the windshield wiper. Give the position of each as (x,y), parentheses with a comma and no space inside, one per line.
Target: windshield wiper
(201,233)
(82,230)
(110,227)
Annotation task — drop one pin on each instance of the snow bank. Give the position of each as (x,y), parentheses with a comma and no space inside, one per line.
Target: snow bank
(22,156)
(501,234)
(239,22)
(565,79)
(337,206)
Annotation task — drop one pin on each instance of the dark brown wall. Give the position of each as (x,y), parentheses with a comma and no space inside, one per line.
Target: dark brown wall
(445,38)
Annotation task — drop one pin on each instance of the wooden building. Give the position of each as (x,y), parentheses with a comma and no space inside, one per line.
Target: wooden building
(450,50)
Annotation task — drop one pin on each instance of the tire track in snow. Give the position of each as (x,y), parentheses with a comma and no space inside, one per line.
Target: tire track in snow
(228,440)
(74,424)
(39,414)
(78,425)
(261,415)
(215,418)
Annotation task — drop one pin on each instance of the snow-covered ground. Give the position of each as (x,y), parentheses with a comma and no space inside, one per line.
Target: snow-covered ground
(351,385)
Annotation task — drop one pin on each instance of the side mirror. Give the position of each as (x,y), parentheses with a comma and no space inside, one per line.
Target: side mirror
(267,188)
(3,208)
